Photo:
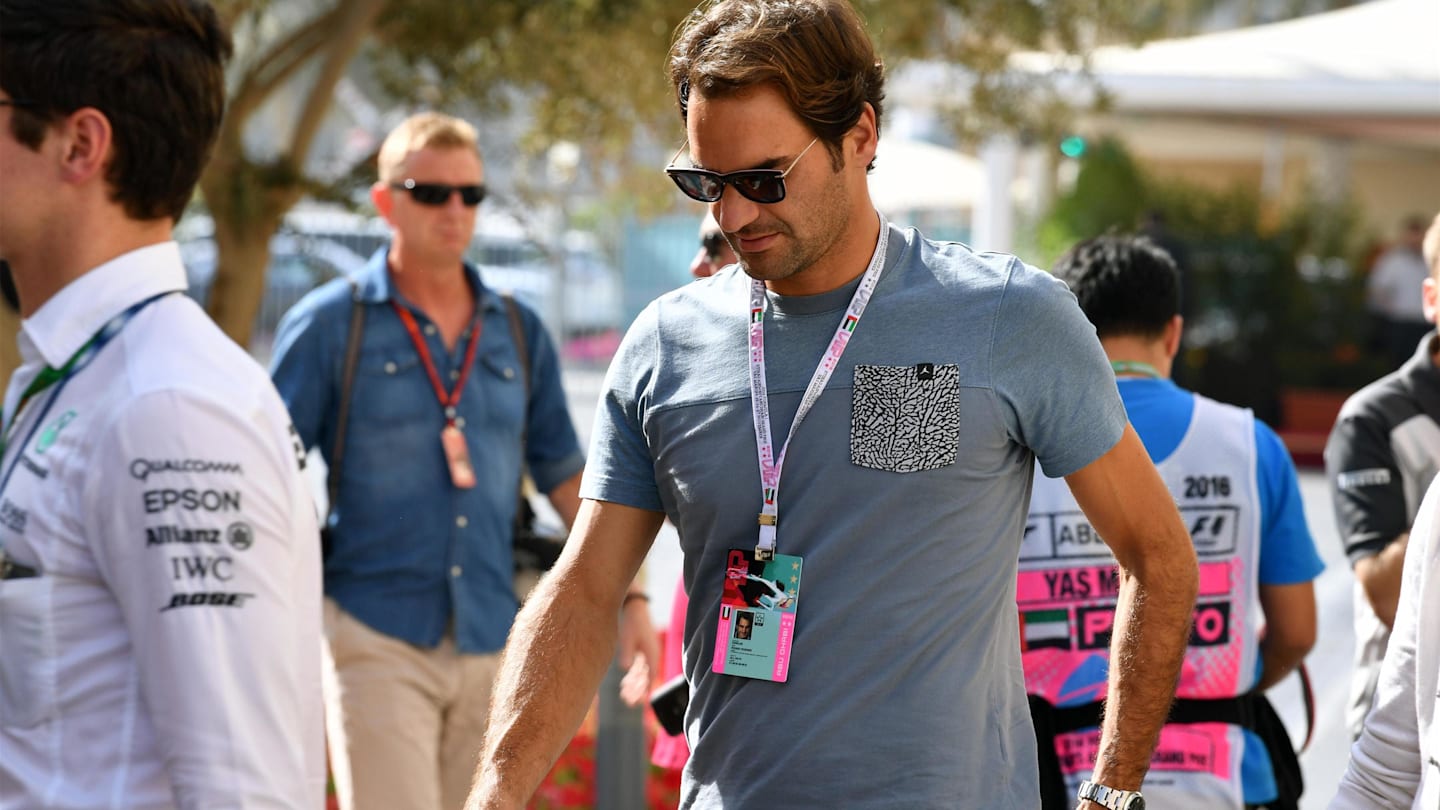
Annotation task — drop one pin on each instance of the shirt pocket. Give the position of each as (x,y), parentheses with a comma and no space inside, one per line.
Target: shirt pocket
(905,418)
(391,388)
(504,389)
(27,652)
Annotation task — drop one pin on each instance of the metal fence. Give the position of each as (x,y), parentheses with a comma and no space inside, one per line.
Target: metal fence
(571,285)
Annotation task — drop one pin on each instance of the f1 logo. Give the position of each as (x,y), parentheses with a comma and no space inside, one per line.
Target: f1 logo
(1215,523)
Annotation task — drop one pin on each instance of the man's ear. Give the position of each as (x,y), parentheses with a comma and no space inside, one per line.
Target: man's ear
(864,137)
(1430,298)
(86,145)
(383,197)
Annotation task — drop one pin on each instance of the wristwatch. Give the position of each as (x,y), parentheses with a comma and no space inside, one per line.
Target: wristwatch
(1110,797)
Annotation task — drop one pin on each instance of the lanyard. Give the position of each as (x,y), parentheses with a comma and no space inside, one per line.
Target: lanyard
(57,377)
(1135,367)
(770,465)
(449,401)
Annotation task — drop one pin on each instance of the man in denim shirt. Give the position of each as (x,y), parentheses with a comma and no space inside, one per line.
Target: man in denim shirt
(418,582)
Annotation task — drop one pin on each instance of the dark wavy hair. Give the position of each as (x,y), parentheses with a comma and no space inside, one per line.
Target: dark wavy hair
(1127,285)
(154,68)
(817,53)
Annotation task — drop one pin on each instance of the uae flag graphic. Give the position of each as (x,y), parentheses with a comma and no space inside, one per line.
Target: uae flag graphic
(1047,629)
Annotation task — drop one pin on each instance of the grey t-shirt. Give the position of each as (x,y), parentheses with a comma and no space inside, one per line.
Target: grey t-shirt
(904,490)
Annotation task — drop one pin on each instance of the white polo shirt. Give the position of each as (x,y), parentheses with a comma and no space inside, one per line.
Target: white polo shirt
(167,653)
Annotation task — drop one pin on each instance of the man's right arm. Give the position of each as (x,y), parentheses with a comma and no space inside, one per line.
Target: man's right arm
(1370,508)
(1379,577)
(558,650)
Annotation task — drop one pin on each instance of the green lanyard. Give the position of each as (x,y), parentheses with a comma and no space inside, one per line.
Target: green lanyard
(49,376)
(1135,367)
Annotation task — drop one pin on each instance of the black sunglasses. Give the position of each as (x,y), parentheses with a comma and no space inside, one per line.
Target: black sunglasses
(439,193)
(763,186)
(16,102)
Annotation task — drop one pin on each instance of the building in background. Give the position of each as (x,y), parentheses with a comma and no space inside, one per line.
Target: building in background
(1339,104)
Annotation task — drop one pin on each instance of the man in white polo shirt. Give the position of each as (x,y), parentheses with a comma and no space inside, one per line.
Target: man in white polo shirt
(159,558)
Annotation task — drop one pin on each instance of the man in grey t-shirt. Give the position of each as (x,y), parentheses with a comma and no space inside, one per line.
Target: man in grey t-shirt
(861,409)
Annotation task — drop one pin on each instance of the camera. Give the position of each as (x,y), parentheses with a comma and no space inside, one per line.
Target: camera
(669,702)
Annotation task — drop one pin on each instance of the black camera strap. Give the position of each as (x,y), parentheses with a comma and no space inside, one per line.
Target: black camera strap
(534,551)
(523,513)
(342,416)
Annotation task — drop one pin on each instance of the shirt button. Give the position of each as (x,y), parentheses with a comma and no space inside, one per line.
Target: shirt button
(459,421)
(462,521)
(390,368)
(509,373)
(456,571)
(429,328)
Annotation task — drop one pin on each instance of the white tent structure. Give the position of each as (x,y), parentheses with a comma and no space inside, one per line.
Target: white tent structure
(1379,58)
(1344,101)
(915,175)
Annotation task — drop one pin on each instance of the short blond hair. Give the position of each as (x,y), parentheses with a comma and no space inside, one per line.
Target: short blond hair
(1431,248)
(422,131)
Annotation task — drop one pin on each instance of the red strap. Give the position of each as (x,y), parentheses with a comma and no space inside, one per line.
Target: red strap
(450,400)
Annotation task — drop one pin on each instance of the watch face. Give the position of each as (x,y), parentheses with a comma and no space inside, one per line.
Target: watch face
(1135,803)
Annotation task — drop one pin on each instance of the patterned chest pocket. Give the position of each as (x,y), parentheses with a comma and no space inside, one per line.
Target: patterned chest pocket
(905,418)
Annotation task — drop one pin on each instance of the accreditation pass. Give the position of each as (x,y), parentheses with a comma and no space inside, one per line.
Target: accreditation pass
(757,616)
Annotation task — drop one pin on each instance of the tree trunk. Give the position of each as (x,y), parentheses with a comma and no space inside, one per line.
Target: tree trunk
(248,200)
(247,203)
(242,256)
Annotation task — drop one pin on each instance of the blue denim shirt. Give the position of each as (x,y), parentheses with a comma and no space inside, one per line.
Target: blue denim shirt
(411,551)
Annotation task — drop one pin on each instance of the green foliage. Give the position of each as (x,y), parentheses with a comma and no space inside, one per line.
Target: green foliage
(590,72)
(1109,192)
(590,68)
(593,71)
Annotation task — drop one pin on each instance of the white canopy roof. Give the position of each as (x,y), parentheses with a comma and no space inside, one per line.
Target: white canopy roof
(917,176)
(1379,58)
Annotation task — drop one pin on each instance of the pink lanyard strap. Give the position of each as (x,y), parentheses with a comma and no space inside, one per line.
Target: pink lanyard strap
(770,466)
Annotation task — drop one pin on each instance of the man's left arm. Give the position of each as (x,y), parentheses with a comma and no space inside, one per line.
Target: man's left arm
(1126,501)
(565,498)
(1290,627)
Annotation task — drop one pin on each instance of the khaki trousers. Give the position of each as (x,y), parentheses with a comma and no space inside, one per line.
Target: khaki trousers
(404,723)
